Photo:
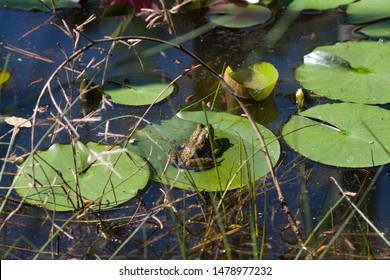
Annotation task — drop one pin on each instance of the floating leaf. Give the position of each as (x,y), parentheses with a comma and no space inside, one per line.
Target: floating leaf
(35,4)
(344,134)
(378,30)
(351,71)
(230,15)
(367,11)
(113,177)
(16,121)
(256,82)
(138,89)
(242,161)
(298,5)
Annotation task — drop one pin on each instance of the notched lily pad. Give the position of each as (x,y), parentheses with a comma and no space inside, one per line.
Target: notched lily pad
(105,177)
(344,134)
(256,82)
(139,89)
(241,162)
(341,72)
(230,15)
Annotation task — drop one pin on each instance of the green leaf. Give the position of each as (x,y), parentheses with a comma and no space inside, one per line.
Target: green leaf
(241,162)
(138,89)
(256,82)
(230,15)
(351,71)
(378,30)
(367,11)
(113,178)
(35,4)
(344,134)
(298,5)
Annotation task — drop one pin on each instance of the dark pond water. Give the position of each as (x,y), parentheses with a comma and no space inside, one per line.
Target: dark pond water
(145,230)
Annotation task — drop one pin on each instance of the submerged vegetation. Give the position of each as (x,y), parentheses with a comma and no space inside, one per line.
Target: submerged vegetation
(91,165)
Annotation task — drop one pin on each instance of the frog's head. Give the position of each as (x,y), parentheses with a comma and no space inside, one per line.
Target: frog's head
(205,131)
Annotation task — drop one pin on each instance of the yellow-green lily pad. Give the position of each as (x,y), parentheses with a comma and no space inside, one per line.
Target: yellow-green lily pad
(256,82)
(63,179)
(241,162)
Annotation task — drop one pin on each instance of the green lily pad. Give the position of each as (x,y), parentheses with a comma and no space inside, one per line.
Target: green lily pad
(256,82)
(378,30)
(138,89)
(344,134)
(368,10)
(351,71)
(114,178)
(242,161)
(35,4)
(298,5)
(230,15)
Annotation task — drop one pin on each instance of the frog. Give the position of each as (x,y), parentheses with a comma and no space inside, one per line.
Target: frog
(197,153)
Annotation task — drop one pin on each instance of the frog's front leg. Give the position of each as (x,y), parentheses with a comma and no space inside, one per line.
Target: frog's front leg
(173,156)
(183,145)
(217,151)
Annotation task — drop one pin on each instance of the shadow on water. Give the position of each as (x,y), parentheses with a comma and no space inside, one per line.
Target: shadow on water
(178,231)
